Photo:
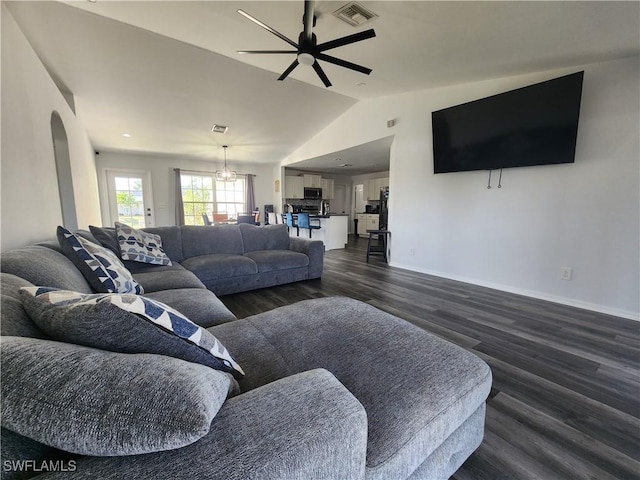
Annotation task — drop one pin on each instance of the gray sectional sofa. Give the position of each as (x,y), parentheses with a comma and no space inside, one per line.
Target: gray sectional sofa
(95,385)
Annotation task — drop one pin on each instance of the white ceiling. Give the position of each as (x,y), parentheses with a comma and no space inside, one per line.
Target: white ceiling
(166,71)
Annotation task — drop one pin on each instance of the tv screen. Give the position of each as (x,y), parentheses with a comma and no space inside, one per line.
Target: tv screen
(534,125)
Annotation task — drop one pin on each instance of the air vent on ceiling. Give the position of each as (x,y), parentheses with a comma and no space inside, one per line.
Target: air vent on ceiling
(355,14)
(219,129)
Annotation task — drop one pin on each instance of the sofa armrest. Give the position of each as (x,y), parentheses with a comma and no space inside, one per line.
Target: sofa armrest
(314,249)
(304,426)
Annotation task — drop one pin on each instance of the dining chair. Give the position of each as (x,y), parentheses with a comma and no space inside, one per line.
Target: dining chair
(220,217)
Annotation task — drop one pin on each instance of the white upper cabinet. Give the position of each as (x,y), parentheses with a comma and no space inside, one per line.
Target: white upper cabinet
(293,187)
(327,185)
(373,186)
(313,181)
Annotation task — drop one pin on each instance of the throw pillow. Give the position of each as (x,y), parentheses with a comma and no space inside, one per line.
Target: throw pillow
(107,238)
(124,323)
(102,269)
(140,246)
(94,402)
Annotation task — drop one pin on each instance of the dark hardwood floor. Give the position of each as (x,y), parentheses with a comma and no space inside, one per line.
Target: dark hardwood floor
(566,382)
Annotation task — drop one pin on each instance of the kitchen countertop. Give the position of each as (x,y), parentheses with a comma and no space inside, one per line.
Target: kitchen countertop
(328,216)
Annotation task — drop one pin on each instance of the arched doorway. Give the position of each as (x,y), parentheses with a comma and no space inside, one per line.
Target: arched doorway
(63,172)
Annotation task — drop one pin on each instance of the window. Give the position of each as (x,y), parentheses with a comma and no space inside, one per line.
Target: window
(129,200)
(202,194)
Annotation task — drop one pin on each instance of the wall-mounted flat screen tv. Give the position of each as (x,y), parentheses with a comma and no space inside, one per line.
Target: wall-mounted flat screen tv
(534,125)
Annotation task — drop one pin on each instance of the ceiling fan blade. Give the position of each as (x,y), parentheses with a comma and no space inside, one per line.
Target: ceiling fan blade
(339,42)
(286,73)
(267,51)
(268,28)
(307,20)
(321,74)
(343,63)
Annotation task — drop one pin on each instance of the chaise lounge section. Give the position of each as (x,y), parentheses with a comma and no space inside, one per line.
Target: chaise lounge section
(329,388)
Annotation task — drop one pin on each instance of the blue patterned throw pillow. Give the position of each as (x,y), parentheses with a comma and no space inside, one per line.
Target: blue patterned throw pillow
(140,246)
(124,323)
(103,270)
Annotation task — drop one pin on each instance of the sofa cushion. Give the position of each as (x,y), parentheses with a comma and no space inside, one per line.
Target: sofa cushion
(270,260)
(42,265)
(124,323)
(267,237)
(139,246)
(102,269)
(214,266)
(171,240)
(199,305)
(154,278)
(205,240)
(94,402)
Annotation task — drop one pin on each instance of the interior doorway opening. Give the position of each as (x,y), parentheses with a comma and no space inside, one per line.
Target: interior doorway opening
(63,173)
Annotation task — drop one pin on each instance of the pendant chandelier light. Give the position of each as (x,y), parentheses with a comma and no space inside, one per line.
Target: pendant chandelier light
(225,175)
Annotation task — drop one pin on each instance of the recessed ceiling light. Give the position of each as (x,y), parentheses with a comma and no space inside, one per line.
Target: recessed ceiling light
(126,135)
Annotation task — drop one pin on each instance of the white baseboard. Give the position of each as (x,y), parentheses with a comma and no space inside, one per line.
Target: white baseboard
(529,293)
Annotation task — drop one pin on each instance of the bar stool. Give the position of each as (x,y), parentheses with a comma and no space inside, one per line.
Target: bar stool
(304,222)
(374,248)
(289,220)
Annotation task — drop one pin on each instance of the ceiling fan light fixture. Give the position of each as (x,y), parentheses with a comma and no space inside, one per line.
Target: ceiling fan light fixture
(308,51)
(306,59)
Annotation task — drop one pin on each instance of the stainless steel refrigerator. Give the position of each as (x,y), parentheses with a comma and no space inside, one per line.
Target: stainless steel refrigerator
(384,208)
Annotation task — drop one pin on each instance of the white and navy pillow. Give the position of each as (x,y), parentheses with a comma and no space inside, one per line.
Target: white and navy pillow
(103,270)
(124,323)
(140,246)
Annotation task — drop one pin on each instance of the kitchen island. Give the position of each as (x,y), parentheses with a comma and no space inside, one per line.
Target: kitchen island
(333,231)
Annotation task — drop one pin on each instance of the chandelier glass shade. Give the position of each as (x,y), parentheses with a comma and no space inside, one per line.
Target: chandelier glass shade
(225,175)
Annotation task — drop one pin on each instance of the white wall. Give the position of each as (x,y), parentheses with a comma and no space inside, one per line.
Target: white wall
(516,238)
(31,208)
(162,179)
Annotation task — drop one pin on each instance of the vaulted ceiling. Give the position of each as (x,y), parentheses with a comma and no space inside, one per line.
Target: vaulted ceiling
(165,71)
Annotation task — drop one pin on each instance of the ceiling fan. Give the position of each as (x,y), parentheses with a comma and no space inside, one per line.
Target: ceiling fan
(307,49)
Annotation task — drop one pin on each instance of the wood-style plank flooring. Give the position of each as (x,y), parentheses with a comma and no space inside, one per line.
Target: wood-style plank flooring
(566,382)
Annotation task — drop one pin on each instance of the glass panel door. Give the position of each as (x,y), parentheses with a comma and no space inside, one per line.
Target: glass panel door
(130,198)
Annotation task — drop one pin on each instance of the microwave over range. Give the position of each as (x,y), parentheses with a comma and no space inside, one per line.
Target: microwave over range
(312,193)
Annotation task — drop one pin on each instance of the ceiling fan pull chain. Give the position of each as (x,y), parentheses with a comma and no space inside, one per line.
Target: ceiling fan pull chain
(489,184)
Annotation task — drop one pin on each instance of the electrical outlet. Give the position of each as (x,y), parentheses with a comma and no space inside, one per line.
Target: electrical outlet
(565,273)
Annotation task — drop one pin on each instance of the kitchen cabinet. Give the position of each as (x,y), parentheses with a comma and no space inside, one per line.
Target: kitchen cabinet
(373,221)
(312,181)
(293,187)
(327,185)
(362,223)
(373,187)
(367,221)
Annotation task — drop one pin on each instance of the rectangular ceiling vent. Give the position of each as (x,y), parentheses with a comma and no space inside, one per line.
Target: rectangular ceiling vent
(219,129)
(355,14)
